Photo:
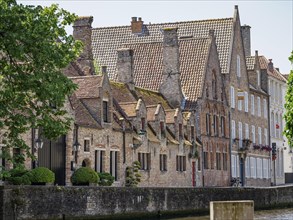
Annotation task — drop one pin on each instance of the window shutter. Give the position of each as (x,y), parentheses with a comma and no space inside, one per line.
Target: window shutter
(246,101)
(252,104)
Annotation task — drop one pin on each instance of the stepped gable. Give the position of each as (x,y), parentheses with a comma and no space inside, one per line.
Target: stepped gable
(148,64)
(107,40)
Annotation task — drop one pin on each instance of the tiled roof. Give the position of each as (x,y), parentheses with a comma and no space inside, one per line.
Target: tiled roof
(82,115)
(151,110)
(250,62)
(87,86)
(151,97)
(106,41)
(129,108)
(121,92)
(264,65)
(148,62)
(286,76)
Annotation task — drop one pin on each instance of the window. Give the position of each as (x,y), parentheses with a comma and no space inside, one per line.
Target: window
(253,133)
(212,159)
(246,131)
(232,95)
(238,66)
(233,130)
(277,135)
(114,164)
(265,108)
(181,163)
(265,168)
(215,125)
(214,85)
(280,126)
(258,107)
(223,126)
(258,77)
(218,161)
(143,124)
(240,133)
(239,104)
(252,167)
(180,131)
(259,168)
(247,167)
(105,111)
(86,145)
(198,164)
(205,160)
(100,161)
(162,128)
(17,157)
(225,161)
(208,124)
(234,164)
(252,104)
(259,135)
(245,101)
(163,162)
(192,132)
(266,137)
(145,161)
(272,125)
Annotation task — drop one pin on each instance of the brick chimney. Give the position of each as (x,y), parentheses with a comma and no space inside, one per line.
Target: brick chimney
(171,84)
(125,66)
(82,30)
(245,31)
(136,25)
(270,66)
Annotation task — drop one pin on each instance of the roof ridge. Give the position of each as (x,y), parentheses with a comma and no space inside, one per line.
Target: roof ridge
(166,23)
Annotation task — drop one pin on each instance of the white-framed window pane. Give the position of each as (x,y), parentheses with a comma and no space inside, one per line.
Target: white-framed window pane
(258,77)
(259,135)
(233,129)
(240,133)
(252,167)
(233,164)
(265,109)
(247,167)
(246,131)
(253,133)
(258,107)
(232,95)
(266,136)
(252,104)
(259,168)
(246,101)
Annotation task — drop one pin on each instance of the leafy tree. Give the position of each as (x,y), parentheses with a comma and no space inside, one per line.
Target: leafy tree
(34,48)
(289,107)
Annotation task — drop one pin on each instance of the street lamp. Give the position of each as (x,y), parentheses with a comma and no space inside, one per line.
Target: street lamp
(39,143)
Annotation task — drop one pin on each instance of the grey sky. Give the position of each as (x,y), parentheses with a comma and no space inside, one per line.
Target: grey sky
(271,21)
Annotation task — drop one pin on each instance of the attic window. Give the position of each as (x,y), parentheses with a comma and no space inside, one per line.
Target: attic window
(143,124)
(105,111)
(162,128)
(192,132)
(180,131)
(186,37)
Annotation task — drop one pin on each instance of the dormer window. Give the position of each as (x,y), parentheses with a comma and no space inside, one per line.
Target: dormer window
(105,111)
(162,129)
(180,131)
(143,124)
(192,132)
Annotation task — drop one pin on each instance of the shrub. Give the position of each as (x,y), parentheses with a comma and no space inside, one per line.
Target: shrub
(133,176)
(84,176)
(19,176)
(42,175)
(106,179)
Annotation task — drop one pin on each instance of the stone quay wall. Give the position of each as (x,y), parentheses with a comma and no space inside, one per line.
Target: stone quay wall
(87,202)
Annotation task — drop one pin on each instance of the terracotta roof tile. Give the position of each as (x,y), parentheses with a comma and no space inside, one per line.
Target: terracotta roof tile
(129,108)
(148,64)
(121,92)
(106,41)
(250,62)
(264,65)
(87,86)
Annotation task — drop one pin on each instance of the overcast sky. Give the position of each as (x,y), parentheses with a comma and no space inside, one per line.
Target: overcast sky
(271,21)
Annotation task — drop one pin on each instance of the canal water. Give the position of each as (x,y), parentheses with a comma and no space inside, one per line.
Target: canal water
(279,214)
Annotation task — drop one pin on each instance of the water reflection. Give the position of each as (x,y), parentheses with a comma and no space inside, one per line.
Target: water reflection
(279,214)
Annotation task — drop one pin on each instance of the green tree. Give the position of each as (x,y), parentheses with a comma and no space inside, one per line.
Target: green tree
(34,48)
(288,131)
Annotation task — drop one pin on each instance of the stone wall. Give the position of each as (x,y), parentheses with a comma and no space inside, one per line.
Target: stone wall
(56,202)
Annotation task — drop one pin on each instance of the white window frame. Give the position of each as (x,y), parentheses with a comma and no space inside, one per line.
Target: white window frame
(252,167)
(246,131)
(259,173)
(233,133)
(253,133)
(252,104)
(238,66)
(266,137)
(258,107)
(240,133)
(232,96)
(265,109)
(247,167)
(233,164)
(258,77)
(259,135)
(245,101)
(239,105)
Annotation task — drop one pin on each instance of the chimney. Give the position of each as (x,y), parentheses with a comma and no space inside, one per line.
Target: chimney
(125,67)
(245,32)
(82,30)
(171,84)
(136,25)
(270,66)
